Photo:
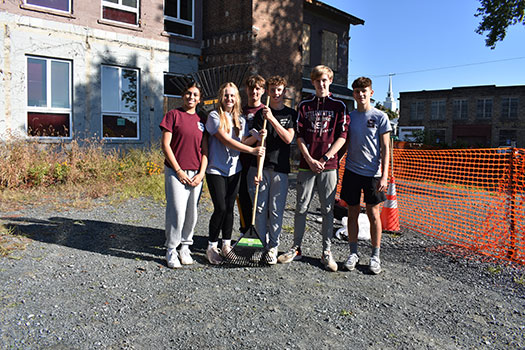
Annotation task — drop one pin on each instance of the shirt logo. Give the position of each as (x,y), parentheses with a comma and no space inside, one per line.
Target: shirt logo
(371,123)
(200,126)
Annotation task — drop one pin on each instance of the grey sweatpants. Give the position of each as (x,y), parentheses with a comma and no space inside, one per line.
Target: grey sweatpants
(325,183)
(181,208)
(270,204)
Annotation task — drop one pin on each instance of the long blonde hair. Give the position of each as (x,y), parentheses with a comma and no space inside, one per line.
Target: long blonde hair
(224,123)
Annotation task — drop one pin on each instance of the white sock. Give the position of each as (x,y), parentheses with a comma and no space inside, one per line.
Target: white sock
(212,244)
(226,242)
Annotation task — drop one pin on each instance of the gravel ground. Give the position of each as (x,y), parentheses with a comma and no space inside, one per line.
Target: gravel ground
(97,279)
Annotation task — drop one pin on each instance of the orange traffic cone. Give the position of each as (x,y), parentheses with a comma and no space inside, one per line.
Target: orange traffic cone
(389,214)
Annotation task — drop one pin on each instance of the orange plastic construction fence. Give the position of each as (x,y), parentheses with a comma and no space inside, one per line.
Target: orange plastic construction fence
(470,198)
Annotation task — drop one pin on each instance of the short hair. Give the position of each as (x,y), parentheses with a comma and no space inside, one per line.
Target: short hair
(362,83)
(276,80)
(255,80)
(320,70)
(192,84)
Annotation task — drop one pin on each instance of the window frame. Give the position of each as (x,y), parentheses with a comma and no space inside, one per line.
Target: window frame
(325,50)
(484,114)
(49,109)
(180,20)
(508,105)
(419,110)
(460,109)
(121,7)
(306,44)
(441,112)
(513,138)
(48,9)
(119,113)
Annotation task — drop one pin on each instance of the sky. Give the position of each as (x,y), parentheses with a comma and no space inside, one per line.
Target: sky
(428,45)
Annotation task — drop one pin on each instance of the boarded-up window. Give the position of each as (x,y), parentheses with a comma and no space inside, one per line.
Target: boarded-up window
(329,50)
(306,44)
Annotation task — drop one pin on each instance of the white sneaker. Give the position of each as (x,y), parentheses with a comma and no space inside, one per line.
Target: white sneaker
(328,261)
(375,265)
(226,249)
(172,259)
(213,255)
(272,256)
(185,256)
(352,261)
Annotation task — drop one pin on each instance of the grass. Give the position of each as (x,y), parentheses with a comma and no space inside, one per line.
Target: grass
(76,173)
(11,242)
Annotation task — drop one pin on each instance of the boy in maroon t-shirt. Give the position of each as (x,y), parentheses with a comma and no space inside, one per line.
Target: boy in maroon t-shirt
(322,124)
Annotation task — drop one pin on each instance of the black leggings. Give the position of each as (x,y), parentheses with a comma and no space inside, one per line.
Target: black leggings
(223,191)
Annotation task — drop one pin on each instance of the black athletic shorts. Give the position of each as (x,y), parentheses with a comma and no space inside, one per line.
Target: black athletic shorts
(353,184)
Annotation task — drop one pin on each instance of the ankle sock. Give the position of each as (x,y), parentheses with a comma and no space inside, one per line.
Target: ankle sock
(375,251)
(226,242)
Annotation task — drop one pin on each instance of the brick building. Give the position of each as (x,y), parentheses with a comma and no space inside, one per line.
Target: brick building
(287,38)
(479,116)
(76,69)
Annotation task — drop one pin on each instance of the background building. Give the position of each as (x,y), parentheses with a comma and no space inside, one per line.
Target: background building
(75,69)
(478,116)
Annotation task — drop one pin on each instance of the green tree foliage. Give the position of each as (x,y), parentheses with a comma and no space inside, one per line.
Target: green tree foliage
(497,16)
(390,113)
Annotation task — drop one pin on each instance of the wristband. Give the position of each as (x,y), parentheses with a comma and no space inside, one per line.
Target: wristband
(325,158)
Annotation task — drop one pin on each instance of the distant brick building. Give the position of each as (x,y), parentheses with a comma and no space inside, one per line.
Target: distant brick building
(479,116)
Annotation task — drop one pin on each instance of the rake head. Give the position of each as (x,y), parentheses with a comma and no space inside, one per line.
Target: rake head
(248,251)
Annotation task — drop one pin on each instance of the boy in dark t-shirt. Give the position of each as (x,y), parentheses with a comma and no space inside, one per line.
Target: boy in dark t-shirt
(273,186)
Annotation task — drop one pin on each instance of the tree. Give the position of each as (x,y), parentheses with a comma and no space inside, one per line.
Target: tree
(390,113)
(497,16)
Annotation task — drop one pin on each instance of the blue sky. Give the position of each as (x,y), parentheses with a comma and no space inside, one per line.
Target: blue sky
(421,36)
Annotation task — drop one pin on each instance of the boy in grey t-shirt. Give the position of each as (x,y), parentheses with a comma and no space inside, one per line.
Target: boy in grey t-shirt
(366,170)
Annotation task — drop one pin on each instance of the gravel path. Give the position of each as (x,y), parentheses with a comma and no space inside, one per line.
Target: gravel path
(96,279)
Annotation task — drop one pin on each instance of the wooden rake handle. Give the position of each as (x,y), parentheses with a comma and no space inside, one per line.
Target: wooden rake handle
(260,164)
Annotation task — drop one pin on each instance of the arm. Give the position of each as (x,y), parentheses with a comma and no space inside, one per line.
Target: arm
(196,180)
(385,159)
(285,134)
(332,151)
(170,157)
(227,141)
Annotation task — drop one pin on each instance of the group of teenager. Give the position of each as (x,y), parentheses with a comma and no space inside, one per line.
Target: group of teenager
(226,145)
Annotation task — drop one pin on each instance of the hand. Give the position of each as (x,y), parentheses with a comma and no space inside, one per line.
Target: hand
(263,133)
(316,166)
(382,186)
(257,179)
(267,113)
(183,178)
(196,180)
(259,151)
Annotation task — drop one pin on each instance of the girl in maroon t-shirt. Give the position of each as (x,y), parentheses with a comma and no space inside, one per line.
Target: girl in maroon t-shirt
(186,150)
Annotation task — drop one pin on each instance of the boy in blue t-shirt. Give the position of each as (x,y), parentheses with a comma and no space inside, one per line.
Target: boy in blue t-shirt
(366,170)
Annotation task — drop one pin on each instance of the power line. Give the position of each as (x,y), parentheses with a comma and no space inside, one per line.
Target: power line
(447,67)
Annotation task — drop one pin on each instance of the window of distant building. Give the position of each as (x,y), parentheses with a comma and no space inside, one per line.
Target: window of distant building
(179,17)
(509,108)
(124,11)
(484,108)
(306,44)
(438,110)
(507,137)
(48,97)
(59,5)
(417,110)
(461,109)
(120,96)
(329,49)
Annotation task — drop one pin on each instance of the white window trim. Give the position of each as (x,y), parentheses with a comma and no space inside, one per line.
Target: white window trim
(484,115)
(50,9)
(440,103)
(102,112)
(119,6)
(417,104)
(183,21)
(509,105)
(463,105)
(48,108)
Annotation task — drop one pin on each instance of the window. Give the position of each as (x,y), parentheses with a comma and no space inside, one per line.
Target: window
(48,97)
(306,44)
(437,136)
(178,17)
(59,5)
(329,49)
(120,118)
(484,109)
(461,109)
(507,138)
(509,108)
(417,110)
(126,11)
(438,110)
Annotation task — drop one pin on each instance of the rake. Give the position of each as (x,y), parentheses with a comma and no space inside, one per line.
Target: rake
(249,249)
